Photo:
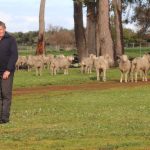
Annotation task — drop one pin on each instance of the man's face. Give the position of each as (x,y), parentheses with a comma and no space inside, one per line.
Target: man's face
(2,31)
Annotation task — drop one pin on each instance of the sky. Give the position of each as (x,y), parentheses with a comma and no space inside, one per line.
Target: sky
(23,15)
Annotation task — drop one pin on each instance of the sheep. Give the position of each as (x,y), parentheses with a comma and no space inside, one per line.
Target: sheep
(102,63)
(47,60)
(22,60)
(140,65)
(37,63)
(61,63)
(87,64)
(30,62)
(125,67)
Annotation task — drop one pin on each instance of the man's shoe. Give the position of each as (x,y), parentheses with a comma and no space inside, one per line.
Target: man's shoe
(5,121)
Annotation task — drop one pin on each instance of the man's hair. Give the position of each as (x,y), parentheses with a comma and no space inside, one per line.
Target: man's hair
(2,24)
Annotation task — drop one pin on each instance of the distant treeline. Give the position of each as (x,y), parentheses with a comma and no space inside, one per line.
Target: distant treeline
(59,37)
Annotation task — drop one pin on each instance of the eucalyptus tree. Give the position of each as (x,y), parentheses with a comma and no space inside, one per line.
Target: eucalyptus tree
(119,45)
(79,30)
(41,36)
(104,38)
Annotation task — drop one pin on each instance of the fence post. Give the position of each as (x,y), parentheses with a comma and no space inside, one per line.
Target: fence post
(140,50)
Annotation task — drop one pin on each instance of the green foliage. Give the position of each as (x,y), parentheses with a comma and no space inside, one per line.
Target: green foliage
(29,38)
(129,36)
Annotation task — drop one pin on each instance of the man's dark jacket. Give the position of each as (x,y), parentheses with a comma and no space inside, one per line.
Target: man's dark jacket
(8,53)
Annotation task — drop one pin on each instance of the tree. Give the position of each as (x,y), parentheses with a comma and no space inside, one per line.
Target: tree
(104,33)
(41,37)
(79,30)
(119,45)
(91,27)
(142,17)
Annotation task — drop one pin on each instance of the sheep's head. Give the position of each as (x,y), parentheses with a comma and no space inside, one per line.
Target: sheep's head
(92,56)
(109,59)
(147,56)
(124,58)
(70,58)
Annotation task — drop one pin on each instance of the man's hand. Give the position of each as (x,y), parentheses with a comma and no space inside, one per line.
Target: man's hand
(6,75)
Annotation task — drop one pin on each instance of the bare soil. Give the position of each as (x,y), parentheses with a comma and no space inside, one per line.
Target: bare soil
(87,86)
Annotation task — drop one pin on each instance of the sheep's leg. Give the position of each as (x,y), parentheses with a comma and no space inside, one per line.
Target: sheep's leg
(141,74)
(40,71)
(28,68)
(86,69)
(104,75)
(90,70)
(81,69)
(136,76)
(145,75)
(36,71)
(126,77)
(67,71)
(51,71)
(17,68)
(121,77)
(132,74)
(98,74)
(54,71)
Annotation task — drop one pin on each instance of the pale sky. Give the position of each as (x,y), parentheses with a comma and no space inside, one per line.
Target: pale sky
(23,15)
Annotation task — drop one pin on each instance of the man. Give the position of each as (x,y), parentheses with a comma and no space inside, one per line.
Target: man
(8,58)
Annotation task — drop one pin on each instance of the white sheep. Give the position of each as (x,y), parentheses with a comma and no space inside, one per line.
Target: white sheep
(140,65)
(37,63)
(61,63)
(102,63)
(125,67)
(47,60)
(87,64)
(22,60)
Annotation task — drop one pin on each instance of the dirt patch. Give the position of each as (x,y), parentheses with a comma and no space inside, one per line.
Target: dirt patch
(86,86)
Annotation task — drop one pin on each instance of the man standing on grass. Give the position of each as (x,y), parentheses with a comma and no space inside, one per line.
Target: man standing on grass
(8,58)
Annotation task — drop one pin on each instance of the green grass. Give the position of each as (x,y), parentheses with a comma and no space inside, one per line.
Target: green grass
(136,52)
(115,119)
(29,79)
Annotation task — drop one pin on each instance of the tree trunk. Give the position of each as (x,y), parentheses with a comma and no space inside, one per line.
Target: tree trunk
(79,30)
(119,45)
(41,37)
(106,43)
(91,28)
(97,29)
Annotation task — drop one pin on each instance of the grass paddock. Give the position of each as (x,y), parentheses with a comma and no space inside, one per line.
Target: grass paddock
(84,119)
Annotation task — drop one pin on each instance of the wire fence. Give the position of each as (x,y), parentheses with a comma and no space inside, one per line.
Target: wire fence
(140,48)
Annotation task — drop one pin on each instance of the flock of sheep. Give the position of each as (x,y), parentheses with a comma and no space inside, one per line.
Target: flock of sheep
(129,68)
(54,64)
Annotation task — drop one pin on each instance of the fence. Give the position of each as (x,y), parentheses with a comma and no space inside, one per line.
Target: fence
(139,47)
(30,50)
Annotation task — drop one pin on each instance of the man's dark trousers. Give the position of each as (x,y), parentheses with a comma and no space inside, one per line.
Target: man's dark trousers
(5,97)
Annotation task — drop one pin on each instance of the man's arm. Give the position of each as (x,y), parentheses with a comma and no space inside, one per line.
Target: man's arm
(13,57)
(12,60)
